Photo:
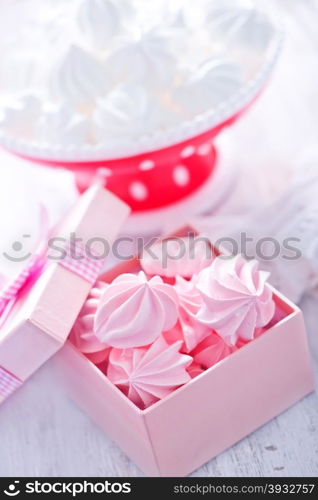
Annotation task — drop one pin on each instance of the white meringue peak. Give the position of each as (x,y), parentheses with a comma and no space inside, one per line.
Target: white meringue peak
(128,110)
(98,21)
(190,65)
(79,79)
(147,61)
(19,116)
(238,22)
(62,126)
(213,83)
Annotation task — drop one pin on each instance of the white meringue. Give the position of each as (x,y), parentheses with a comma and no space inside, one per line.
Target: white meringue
(79,79)
(147,61)
(127,110)
(239,23)
(213,83)
(61,126)
(87,53)
(19,117)
(99,22)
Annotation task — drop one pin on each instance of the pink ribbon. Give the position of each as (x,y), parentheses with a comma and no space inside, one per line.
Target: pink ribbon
(75,260)
(8,383)
(10,293)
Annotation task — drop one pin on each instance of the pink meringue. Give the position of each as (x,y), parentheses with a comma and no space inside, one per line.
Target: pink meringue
(194,370)
(177,257)
(236,299)
(174,335)
(133,311)
(147,375)
(190,302)
(211,350)
(82,335)
(257,333)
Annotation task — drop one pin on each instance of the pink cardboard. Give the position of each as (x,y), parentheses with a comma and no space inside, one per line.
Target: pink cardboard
(213,411)
(41,320)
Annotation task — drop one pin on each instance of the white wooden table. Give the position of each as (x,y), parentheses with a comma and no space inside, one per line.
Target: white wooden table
(43,434)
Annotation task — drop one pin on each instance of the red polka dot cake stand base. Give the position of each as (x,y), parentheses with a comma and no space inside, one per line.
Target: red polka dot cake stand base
(157,179)
(160,171)
(168,167)
(153,180)
(163,176)
(212,194)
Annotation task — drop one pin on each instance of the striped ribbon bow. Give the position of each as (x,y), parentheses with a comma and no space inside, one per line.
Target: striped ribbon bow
(75,259)
(13,289)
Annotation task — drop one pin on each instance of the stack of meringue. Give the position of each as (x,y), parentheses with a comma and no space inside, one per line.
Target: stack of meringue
(114,70)
(151,334)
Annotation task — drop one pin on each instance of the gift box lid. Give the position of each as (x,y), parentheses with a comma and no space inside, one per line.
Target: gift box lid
(39,308)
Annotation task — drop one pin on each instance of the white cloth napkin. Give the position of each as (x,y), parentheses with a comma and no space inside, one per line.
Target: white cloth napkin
(289,220)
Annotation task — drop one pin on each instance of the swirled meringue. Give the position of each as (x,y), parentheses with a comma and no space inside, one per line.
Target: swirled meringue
(190,302)
(79,79)
(211,350)
(177,257)
(147,62)
(147,375)
(99,22)
(81,53)
(239,23)
(18,117)
(133,311)
(195,369)
(82,334)
(127,110)
(214,82)
(236,299)
(62,126)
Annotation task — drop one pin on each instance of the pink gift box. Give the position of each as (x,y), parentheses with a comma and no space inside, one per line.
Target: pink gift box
(41,319)
(210,413)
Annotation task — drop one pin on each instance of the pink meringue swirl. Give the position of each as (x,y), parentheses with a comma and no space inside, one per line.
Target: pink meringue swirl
(190,302)
(133,311)
(177,257)
(82,334)
(147,375)
(236,299)
(211,350)
(195,369)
